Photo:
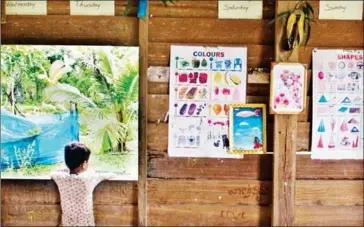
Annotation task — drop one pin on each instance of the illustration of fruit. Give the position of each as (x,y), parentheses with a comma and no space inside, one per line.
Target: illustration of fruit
(216,91)
(204,63)
(191,93)
(226,78)
(192,109)
(193,78)
(183,78)
(235,79)
(321,75)
(182,92)
(203,78)
(226,109)
(182,111)
(218,78)
(226,91)
(217,109)
(195,63)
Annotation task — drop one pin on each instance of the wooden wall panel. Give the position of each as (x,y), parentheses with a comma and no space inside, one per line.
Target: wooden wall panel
(210,31)
(44,192)
(62,7)
(50,215)
(209,192)
(329,216)
(329,193)
(259,56)
(70,30)
(208,215)
(199,9)
(252,167)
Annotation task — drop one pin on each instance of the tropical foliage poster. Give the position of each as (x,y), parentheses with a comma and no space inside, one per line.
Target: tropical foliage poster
(53,95)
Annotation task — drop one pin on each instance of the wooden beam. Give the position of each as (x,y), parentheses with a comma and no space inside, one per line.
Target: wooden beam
(285,133)
(3,12)
(143,120)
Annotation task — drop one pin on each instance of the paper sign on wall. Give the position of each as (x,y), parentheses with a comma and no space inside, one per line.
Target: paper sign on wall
(94,8)
(341,10)
(33,7)
(337,113)
(241,9)
(204,82)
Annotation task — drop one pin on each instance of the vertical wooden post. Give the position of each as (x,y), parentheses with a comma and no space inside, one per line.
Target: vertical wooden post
(3,12)
(285,133)
(143,107)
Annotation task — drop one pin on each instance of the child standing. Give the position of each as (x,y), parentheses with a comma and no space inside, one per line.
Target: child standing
(76,186)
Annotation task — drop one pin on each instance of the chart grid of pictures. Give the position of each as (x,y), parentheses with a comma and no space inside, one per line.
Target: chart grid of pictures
(54,95)
(204,81)
(337,113)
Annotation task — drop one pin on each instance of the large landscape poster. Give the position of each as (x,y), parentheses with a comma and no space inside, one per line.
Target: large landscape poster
(54,95)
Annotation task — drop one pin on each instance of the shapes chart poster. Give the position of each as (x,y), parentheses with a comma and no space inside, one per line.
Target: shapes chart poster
(337,127)
(204,81)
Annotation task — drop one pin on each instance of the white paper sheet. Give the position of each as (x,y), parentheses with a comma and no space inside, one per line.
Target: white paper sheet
(341,10)
(33,7)
(337,115)
(203,82)
(94,8)
(241,9)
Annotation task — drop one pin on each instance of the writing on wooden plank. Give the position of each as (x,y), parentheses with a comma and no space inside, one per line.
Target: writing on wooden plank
(209,192)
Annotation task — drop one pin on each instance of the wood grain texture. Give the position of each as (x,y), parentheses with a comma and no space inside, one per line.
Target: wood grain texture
(205,30)
(208,215)
(198,9)
(158,136)
(158,106)
(209,192)
(284,169)
(329,193)
(259,56)
(62,7)
(329,216)
(69,30)
(143,121)
(50,215)
(44,192)
(3,12)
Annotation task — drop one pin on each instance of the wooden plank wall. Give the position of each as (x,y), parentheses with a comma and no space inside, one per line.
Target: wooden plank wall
(189,191)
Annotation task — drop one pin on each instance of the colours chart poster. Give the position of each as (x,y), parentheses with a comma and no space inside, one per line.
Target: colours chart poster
(337,104)
(204,81)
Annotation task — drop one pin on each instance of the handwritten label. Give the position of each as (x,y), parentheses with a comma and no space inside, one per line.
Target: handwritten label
(94,8)
(241,9)
(34,7)
(341,10)
(231,214)
(249,192)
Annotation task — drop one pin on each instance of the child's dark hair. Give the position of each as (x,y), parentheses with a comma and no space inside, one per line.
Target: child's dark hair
(75,154)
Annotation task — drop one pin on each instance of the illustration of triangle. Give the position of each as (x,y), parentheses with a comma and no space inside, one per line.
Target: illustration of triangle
(346,100)
(354,129)
(353,121)
(323,99)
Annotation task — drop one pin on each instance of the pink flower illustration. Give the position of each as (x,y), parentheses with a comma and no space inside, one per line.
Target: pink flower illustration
(286,102)
(277,99)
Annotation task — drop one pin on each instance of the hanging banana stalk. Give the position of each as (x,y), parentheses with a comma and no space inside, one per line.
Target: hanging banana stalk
(298,25)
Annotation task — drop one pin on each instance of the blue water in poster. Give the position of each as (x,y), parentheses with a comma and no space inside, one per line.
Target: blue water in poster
(247,128)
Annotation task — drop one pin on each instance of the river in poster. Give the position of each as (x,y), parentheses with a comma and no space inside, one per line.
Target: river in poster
(204,81)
